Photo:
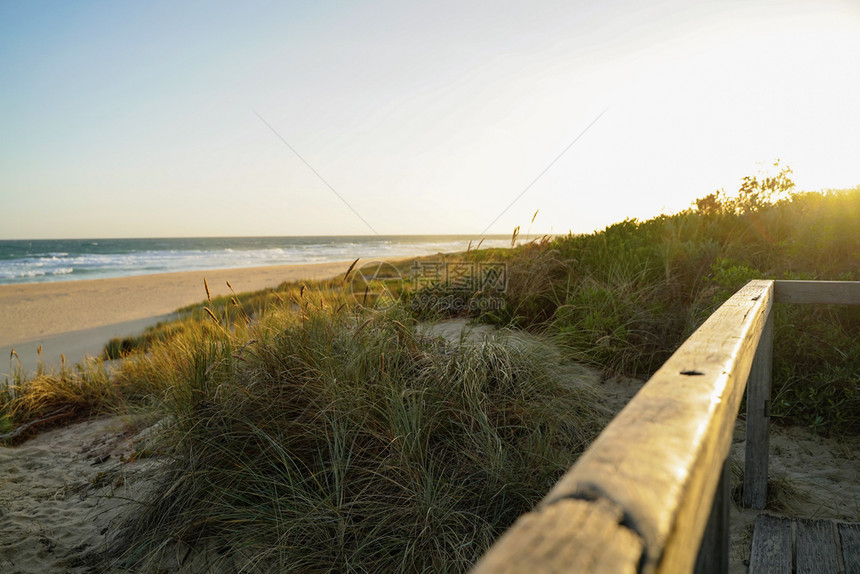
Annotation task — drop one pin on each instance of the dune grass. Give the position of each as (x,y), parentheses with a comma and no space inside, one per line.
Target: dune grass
(307,432)
(56,396)
(340,439)
(625,298)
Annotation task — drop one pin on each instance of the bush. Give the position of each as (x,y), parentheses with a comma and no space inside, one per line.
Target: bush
(625,298)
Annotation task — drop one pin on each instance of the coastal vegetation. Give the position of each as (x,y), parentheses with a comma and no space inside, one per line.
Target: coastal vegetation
(623,299)
(340,438)
(305,428)
(629,296)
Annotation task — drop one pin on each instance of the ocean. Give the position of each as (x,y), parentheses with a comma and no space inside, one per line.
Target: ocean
(38,261)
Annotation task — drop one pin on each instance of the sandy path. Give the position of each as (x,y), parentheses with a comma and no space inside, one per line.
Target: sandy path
(815,477)
(59,493)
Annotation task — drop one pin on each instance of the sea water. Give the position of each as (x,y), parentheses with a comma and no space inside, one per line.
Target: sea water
(36,261)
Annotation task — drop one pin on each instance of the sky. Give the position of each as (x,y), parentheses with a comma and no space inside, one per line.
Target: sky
(184,119)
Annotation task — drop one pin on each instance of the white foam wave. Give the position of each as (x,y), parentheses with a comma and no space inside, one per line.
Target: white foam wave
(60,265)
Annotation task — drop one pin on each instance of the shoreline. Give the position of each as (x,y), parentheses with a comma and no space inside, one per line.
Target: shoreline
(77,318)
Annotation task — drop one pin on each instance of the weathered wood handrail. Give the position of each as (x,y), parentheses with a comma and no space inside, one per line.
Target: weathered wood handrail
(640,498)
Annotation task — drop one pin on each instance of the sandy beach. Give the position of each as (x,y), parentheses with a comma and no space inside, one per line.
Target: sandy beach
(77,318)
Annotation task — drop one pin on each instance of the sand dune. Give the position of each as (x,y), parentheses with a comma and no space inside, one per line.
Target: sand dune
(61,491)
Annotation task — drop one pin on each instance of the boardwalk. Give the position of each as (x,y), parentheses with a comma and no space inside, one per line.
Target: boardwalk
(785,545)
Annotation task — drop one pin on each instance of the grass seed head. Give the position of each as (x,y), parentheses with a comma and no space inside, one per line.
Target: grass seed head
(348,271)
(206,285)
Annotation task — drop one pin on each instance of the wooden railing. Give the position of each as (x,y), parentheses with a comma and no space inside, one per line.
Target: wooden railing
(651,494)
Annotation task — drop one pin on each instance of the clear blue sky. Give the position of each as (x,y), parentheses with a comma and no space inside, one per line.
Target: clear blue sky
(136,119)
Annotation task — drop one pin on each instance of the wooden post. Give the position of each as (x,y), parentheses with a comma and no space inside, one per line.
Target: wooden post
(639,499)
(758,419)
(651,494)
(713,555)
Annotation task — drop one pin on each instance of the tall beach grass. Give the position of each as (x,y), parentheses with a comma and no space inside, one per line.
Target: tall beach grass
(341,439)
(303,431)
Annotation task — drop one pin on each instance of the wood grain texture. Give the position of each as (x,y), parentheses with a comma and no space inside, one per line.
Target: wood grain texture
(825,292)
(757,445)
(849,536)
(659,461)
(771,551)
(566,536)
(660,458)
(816,547)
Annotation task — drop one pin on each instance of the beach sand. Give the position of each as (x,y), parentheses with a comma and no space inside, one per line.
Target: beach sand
(62,491)
(77,318)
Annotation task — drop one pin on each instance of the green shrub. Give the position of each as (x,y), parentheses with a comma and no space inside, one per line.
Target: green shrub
(625,298)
